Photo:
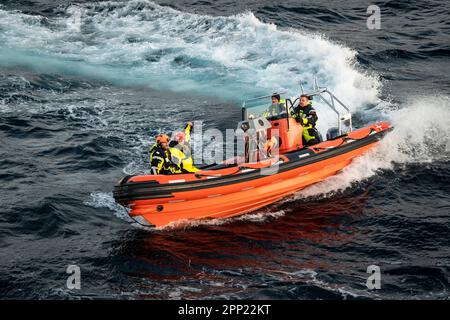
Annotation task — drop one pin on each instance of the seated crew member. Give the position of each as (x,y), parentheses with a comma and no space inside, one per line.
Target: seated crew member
(160,157)
(180,149)
(277,106)
(306,115)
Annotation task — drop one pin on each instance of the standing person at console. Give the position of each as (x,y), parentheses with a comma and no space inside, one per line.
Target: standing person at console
(306,115)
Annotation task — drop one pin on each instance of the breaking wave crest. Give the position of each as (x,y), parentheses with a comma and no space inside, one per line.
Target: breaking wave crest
(141,43)
(421,135)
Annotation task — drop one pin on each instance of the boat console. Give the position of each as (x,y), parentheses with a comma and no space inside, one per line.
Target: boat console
(281,128)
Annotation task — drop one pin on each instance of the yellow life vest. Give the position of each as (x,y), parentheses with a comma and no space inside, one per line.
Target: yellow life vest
(179,158)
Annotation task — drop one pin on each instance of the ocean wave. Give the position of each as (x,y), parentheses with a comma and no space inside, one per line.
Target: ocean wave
(141,43)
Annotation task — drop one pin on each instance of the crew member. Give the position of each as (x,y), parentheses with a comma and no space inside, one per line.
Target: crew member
(306,115)
(180,149)
(278,106)
(160,157)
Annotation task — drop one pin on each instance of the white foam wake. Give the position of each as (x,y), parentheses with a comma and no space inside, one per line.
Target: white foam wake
(139,42)
(106,200)
(421,135)
(262,215)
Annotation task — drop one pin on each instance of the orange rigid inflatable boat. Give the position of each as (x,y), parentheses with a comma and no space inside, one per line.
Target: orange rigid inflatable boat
(236,187)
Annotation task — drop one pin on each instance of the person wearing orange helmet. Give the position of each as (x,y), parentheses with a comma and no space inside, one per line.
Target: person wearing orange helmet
(180,149)
(161,158)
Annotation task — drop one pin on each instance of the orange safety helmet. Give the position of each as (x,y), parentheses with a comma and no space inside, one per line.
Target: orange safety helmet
(162,138)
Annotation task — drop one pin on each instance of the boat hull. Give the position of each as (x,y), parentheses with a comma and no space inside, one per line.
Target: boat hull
(186,198)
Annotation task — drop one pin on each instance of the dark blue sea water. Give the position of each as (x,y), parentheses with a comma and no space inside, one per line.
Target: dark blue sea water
(85,86)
